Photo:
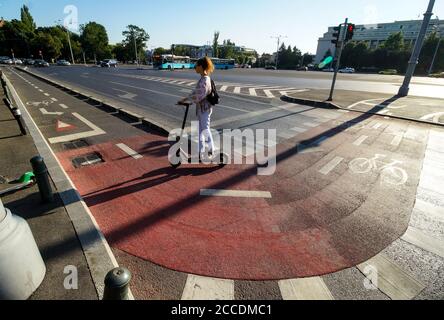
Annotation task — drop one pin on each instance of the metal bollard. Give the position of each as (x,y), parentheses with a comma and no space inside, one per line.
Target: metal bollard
(117,284)
(42,178)
(18,117)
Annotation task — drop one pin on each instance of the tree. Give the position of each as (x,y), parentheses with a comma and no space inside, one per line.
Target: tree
(427,53)
(27,20)
(395,42)
(94,40)
(135,39)
(216,44)
(50,46)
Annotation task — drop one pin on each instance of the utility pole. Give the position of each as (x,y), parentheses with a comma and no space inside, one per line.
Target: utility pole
(84,58)
(343,36)
(59,22)
(414,60)
(278,45)
(436,50)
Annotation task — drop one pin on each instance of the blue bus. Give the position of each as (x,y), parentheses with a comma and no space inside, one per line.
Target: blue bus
(219,64)
(169,62)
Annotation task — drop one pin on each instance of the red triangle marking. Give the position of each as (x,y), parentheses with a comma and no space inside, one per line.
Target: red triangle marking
(62,126)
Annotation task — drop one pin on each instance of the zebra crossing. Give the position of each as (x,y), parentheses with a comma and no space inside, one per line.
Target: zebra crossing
(262,91)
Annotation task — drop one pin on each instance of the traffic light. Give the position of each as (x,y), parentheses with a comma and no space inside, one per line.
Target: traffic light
(336,35)
(350,32)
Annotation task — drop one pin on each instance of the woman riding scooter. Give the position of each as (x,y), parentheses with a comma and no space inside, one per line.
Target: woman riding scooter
(204,109)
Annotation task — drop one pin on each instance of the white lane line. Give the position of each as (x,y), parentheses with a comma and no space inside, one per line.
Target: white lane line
(421,240)
(96,131)
(253,92)
(392,280)
(237,90)
(297,129)
(47,94)
(329,167)
(129,151)
(224,88)
(397,140)
(360,140)
(41,90)
(305,289)
(235,193)
(54,99)
(63,106)
(209,289)
(268,94)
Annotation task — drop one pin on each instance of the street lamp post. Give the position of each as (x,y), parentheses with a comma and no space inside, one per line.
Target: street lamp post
(278,44)
(414,60)
(436,50)
(135,49)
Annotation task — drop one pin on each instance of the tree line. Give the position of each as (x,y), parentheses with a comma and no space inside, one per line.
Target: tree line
(26,40)
(394,53)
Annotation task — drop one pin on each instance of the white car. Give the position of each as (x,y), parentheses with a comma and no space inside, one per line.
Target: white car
(17,62)
(347,70)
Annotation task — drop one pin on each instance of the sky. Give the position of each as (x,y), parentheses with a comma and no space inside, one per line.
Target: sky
(250,23)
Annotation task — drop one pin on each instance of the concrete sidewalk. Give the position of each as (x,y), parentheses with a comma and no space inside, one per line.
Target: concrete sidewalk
(50,224)
(427,110)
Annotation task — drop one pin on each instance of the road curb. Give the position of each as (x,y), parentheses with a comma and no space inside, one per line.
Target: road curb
(331,105)
(98,254)
(149,123)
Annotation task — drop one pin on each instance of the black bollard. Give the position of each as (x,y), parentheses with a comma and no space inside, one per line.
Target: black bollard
(117,284)
(42,178)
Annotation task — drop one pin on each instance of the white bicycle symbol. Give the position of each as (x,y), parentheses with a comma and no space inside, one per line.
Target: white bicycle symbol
(37,104)
(390,173)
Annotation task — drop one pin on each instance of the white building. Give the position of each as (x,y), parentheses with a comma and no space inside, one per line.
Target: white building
(376,34)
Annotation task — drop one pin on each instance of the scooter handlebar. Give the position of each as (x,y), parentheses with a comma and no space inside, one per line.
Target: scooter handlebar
(185,104)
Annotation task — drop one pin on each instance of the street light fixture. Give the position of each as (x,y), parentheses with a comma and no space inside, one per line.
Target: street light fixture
(278,44)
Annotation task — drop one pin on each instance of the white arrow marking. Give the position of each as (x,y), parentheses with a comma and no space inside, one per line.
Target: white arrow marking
(434,117)
(46,113)
(127,95)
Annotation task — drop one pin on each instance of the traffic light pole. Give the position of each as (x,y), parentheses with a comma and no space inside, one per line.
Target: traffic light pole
(414,60)
(338,58)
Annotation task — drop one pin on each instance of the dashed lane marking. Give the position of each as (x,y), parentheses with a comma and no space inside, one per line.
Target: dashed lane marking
(96,131)
(54,99)
(305,289)
(41,90)
(329,167)
(63,106)
(360,141)
(210,289)
(129,151)
(396,283)
(47,94)
(47,113)
(235,193)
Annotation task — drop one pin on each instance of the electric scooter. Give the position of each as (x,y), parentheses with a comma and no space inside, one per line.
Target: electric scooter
(220,159)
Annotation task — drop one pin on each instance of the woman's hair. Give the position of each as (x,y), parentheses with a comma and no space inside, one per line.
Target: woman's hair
(206,64)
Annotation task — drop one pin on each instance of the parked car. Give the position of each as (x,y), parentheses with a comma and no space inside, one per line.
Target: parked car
(17,61)
(270,68)
(41,63)
(302,69)
(29,62)
(6,60)
(389,72)
(63,63)
(108,63)
(347,70)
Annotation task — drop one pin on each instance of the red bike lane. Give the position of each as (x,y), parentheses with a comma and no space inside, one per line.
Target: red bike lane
(321,216)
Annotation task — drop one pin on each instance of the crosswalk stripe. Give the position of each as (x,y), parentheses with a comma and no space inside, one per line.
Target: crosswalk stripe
(253,92)
(223,88)
(305,289)
(268,94)
(329,167)
(210,289)
(237,90)
(391,279)
(421,240)
(360,140)
(397,140)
